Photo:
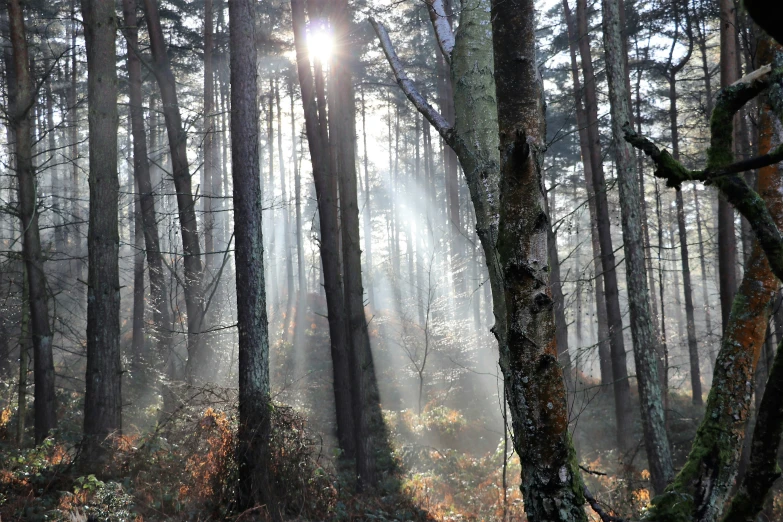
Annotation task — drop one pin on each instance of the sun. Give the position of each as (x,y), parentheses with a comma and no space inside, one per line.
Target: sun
(320,43)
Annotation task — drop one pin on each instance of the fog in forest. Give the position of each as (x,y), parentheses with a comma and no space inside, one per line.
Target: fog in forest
(382,260)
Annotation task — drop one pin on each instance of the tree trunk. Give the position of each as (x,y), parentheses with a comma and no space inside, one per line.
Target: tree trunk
(702,259)
(102,402)
(24,361)
(367,215)
(289,265)
(700,490)
(141,171)
(369,429)
(317,137)
(727,240)
(23,100)
(645,341)
(253,451)
(693,349)
(622,389)
(551,484)
(301,299)
(604,351)
(198,365)
(207,182)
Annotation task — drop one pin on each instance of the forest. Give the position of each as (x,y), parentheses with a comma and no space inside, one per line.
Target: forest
(403,260)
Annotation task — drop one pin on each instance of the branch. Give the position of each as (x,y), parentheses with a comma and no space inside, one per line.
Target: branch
(605,517)
(442,27)
(407,86)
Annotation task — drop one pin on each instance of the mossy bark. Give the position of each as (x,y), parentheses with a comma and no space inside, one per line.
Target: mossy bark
(551,483)
(700,490)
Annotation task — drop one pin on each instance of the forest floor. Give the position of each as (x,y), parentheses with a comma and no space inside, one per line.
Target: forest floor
(184,469)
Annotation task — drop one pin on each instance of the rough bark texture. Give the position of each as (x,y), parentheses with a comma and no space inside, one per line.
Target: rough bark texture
(369,429)
(198,362)
(317,137)
(604,351)
(620,383)
(727,241)
(21,120)
(700,490)
(645,339)
(253,453)
(141,171)
(551,483)
(102,402)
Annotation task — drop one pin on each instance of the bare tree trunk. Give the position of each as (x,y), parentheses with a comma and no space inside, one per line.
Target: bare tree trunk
(141,171)
(727,240)
(76,211)
(24,361)
(702,259)
(622,389)
(693,349)
(23,101)
(301,299)
(289,266)
(198,365)
(317,137)
(604,350)
(253,451)
(207,183)
(103,399)
(645,340)
(367,215)
(551,484)
(369,428)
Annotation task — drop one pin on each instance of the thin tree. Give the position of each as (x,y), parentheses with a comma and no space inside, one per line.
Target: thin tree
(311,84)
(621,386)
(198,362)
(253,452)
(645,338)
(23,100)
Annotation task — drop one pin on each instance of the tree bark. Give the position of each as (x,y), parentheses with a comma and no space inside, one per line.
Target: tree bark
(253,451)
(198,365)
(551,484)
(207,183)
(700,490)
(727,240)
(23,102)
(693,349)
(645,340)
(369,428)
(604,351)
(103,399)
(317,137)
(141,171)
(621,385)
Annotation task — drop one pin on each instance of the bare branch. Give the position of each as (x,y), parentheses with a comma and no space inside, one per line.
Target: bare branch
(442,27)
(599,510)
(407,86)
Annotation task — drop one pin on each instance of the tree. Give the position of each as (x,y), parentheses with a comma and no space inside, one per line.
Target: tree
(311,84)
(198,362)
(103,400)
(706,479)
(23,99)
(620,384)
(507,194)
(253,453)
(645,339)
(141,172)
